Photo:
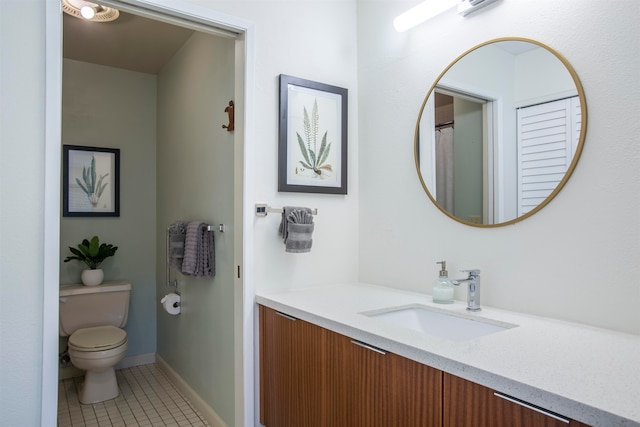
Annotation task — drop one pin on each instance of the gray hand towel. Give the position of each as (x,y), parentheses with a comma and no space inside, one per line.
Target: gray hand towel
(175,250)
(199,251)
(299,231)
(283,229)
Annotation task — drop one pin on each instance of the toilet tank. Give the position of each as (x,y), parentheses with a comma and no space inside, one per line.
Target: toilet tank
(86,306)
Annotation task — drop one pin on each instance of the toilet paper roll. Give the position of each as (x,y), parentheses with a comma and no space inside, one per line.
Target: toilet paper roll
(171,303)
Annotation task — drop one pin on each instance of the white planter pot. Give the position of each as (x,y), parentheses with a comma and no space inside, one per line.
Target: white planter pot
(92,277)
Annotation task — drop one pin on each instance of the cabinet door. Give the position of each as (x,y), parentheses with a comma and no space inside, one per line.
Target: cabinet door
(291,371)
(372,388)
(416,393)
(467,404)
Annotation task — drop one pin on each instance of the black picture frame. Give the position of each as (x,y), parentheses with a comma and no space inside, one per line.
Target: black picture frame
(312,140)
(90,181)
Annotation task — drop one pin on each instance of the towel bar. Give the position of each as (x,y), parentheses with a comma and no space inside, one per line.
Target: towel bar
(263,209)
(219,228)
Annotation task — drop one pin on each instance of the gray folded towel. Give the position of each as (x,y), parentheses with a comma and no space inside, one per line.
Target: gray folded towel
(199,251)
(297,230)
(175,249)
(299,240)
(283,229)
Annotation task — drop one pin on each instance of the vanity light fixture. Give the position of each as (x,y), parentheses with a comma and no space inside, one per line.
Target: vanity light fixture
(89,11)
(422,12)
(430,8)
(468,6)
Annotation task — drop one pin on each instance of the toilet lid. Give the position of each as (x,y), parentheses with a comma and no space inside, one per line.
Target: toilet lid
(97,338)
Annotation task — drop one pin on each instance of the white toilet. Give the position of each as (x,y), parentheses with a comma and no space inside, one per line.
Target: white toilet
(93,317)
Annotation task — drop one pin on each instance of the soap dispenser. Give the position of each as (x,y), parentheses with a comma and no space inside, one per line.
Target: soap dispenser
(442,286)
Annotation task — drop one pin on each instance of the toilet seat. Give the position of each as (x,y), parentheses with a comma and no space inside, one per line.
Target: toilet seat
(97,338)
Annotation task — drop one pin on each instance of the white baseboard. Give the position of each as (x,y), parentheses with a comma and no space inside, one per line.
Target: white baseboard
(205,410)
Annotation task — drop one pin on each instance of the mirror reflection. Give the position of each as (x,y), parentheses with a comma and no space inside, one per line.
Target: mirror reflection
(500,132)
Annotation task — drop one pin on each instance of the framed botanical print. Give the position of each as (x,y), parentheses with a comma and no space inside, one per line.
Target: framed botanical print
(312,154)
(90,181)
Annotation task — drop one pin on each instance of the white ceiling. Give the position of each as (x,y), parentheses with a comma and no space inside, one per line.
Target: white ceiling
(130,42)
(516,47)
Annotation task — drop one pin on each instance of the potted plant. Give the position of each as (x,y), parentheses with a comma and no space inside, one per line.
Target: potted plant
(92,253)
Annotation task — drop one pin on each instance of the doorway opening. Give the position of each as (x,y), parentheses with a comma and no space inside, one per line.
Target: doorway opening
(465,152)
(204,24)
(460,145)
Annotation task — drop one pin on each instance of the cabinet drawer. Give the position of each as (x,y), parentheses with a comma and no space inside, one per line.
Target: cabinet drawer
(370,387)
(467,404)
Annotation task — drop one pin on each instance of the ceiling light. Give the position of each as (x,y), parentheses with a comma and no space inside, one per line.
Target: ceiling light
(89,10)
(422,12)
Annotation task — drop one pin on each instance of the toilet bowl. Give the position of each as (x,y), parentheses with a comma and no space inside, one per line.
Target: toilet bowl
(97,350)
(93,318)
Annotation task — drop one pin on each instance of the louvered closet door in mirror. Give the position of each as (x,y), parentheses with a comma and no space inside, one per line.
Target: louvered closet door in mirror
(547,139)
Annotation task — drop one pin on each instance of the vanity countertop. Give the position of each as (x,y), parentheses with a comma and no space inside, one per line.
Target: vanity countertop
(585,373)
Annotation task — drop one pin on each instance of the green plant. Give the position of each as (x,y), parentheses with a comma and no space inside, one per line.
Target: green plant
(314,158)
(91,187)
(92,252)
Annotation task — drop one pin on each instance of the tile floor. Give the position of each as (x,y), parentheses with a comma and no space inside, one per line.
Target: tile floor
(147,398)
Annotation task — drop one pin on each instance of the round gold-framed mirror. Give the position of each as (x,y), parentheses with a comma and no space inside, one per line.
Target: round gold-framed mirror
(500,132)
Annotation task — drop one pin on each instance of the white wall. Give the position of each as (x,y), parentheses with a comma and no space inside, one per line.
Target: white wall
(532,87)
(22,79)
(314,40)
(577,259)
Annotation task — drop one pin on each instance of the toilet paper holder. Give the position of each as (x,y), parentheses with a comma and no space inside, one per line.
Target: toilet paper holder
(175,304)
(172,307)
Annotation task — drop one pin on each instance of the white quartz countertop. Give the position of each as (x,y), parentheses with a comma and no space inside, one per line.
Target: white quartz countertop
(588,374)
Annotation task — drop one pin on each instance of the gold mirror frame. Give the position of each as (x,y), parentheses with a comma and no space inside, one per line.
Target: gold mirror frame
(574,161)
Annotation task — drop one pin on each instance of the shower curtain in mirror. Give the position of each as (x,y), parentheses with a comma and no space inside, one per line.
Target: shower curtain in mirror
(444,168)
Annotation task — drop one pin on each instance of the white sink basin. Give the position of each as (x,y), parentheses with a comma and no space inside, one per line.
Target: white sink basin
(440,323)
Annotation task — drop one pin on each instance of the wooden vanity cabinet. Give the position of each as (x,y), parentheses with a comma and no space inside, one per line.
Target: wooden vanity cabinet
(313,377)
(291,371)
(467,404)
(369,387)
(310,376)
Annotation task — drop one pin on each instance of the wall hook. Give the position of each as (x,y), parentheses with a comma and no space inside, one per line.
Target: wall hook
(229,110)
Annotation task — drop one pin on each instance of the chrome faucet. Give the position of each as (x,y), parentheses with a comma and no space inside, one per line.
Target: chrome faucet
(473,293)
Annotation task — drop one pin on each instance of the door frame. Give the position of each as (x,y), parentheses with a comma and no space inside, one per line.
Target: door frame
(493,144)
(244,317)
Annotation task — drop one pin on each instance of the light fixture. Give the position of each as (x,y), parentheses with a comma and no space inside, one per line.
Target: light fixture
(422,12)
(465,7)
(430,8)
(89,11)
